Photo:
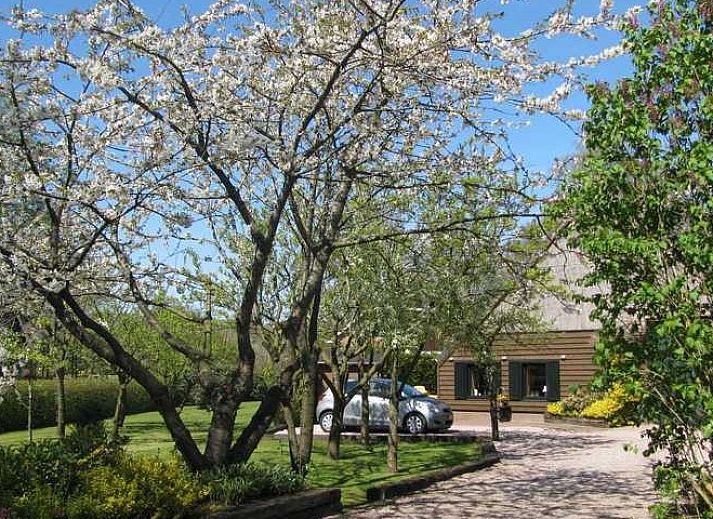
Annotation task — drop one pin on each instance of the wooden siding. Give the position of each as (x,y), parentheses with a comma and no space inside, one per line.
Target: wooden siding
(576,367)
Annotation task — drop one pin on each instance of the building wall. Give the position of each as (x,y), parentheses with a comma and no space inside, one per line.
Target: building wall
(574,349)
(563,311)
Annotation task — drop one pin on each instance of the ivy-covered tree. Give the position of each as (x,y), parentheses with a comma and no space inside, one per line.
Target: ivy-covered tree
(642,208)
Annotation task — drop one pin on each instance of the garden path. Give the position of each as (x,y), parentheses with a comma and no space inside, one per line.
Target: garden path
(546,472)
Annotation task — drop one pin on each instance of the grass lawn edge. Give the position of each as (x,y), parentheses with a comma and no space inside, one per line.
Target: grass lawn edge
(380,493)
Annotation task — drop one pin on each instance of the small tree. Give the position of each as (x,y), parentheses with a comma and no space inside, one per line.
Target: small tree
(641,205)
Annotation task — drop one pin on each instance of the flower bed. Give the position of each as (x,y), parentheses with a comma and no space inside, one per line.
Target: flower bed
(585,406)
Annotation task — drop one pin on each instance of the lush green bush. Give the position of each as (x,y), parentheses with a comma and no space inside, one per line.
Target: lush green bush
(88,400)
(236,484)
(135,487)
(51,467)
(89,476)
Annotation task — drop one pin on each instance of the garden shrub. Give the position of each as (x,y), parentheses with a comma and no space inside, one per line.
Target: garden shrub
(88,400)
(32,468)
(616,405)
(236,484)
(41,502)
(88,475)
(136,487)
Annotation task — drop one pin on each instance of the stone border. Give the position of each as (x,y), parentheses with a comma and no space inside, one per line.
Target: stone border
(406,486)
(576,420)
(304,505)
(454,436)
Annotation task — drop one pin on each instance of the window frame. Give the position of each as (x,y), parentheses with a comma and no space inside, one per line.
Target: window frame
(516,383)
(525,389)
(472,365)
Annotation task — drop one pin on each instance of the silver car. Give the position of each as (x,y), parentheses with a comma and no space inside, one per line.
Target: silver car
(417,412)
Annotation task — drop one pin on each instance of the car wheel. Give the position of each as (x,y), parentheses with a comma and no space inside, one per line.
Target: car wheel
(415,423)
(325,420)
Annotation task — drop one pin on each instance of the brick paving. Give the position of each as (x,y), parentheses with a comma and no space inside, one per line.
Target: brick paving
(546,472)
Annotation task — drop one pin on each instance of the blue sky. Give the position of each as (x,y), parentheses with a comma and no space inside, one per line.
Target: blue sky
(539,143)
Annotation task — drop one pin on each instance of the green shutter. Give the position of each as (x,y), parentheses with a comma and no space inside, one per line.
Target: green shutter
(515,371)
(462,375)
(553,381)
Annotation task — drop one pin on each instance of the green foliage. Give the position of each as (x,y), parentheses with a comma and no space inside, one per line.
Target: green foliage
(359,468)
(236,484)
(87,400)
(41,502)
(87,475)
(135,487)
(423,370)
(27,471)
(575,403)
(643,215)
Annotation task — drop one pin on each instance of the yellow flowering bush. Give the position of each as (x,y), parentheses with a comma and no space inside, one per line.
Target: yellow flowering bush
(616,405)
(556,408)
(604,408)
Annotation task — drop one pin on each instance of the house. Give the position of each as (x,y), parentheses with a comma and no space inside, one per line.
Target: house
(534,368)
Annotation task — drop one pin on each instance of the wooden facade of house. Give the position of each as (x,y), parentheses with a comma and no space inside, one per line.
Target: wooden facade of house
(563,357)
(534,368)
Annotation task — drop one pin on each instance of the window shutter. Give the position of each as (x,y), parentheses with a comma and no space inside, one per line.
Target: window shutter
(515,372)
(462,375)
(553,381)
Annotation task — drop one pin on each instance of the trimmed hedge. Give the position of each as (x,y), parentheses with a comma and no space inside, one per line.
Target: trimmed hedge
(87,400)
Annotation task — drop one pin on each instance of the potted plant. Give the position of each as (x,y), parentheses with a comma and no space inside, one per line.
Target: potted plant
(504,409)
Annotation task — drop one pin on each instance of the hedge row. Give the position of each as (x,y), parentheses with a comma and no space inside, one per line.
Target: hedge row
(87,400)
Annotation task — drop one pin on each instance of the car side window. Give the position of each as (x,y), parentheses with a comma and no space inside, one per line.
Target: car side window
(379,390)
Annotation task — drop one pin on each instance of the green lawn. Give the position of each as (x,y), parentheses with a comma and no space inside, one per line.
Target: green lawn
(358,469)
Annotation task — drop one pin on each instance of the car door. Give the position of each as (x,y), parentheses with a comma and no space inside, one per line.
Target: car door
(379,393)
(352,411)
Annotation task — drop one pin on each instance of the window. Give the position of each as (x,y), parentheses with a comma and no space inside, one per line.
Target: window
(534,380)
(473,381)
(380,389)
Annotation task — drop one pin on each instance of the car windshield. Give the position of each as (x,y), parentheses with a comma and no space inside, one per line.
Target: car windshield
(410,391)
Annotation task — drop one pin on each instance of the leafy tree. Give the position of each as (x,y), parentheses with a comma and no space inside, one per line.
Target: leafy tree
(148,146)
(642,209)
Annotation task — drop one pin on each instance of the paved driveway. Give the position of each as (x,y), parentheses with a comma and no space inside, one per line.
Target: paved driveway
(545,472)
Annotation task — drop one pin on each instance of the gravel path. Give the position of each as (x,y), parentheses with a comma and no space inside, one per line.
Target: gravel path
(557,473)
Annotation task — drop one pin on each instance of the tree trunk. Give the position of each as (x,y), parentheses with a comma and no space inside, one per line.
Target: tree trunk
(310,359)
(292,438)
(255,430)
(61,395)
(220,433)
(29,403)
(365,438)
(120,407)
(392,453)
(309,406)
(494,425)
(106,346)
(335,433)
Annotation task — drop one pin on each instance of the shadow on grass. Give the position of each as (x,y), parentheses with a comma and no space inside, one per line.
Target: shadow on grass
(360,468)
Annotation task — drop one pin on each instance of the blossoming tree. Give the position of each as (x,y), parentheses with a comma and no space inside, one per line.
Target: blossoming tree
(137,148)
